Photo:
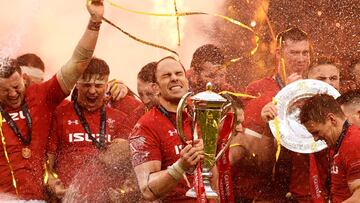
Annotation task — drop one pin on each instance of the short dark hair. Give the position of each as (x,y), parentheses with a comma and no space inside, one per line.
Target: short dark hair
(161,60)
(207,53)
(96,67)
(322,60)
(293,33)
(32,60)
(8,67)
(349,97)
(317,107)
(147,72)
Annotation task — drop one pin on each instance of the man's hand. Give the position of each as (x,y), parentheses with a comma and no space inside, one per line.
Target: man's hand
(56,187)
(117,90)
(191,154)
(268,112)
(294,77)
(96,9)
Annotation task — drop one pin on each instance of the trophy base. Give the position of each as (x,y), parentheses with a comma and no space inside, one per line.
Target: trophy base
(210,194)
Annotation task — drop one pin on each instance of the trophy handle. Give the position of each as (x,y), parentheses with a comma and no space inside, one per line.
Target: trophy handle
(179,118)
(227,128)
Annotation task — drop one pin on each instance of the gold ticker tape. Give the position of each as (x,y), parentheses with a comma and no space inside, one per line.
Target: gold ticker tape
(3,141)
(238,94)
(179,14)
(277,135)
(177,22)
(138,39)
(283,70)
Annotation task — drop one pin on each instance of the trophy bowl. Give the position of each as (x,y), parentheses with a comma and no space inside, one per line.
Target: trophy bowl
(293,135)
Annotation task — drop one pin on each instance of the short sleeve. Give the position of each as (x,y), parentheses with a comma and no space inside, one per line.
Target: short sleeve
(144,145)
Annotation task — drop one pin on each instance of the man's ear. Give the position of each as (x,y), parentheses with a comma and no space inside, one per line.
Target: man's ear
(358,113)
(27,79)
(332,118)
(155,87)
(278,53)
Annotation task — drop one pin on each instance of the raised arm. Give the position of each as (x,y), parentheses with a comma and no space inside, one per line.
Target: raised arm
(73,69)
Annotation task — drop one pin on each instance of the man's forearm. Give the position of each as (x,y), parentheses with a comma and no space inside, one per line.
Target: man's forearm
(159,184)
(73,69)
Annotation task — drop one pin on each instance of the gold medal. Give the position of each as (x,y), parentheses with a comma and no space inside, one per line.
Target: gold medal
(26,152)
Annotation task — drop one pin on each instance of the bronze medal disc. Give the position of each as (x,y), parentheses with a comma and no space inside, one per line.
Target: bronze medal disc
(26,152)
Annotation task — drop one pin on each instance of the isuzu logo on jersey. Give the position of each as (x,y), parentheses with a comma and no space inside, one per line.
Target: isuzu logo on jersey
(75,122)
(334,170)
(15,116)
(81,137)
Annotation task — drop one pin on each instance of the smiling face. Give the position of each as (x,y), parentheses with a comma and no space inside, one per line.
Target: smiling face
(91,92)
(12,90)
(170,77)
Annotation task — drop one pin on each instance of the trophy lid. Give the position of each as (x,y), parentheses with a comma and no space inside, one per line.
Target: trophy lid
(209,95)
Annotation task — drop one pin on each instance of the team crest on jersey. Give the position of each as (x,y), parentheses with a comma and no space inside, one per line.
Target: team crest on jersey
(110,122)
(172,132)
(334,169)
(73,122)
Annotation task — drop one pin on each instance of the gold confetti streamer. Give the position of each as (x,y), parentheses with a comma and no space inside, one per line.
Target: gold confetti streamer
(277,135)
(179,14)
(138,39)
(283,70)
(7,157)
(238,94)
(177,22)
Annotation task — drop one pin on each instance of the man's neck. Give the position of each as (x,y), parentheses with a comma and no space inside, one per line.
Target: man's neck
(168,105)
(89,109)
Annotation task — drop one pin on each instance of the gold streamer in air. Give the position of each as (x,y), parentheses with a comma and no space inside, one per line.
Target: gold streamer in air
(238,94)
(138,39)
(283,70)
(3,141)
(277,136)
(177,22)
(179,14)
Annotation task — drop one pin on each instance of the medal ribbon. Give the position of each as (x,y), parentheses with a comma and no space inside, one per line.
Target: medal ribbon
(346,126)
(3,141)
(225,181)
(101,143)
(24,140)
(314,179)
(199,185)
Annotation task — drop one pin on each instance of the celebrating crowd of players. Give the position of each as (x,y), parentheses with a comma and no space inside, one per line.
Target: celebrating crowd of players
(106,146)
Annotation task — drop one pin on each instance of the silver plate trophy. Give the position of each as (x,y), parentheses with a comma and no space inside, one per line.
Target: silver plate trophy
(294,135)
(208,110)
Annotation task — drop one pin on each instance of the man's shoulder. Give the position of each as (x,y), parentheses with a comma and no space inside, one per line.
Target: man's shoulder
(66,105)
(150,117)
(261,82)
(354,135)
